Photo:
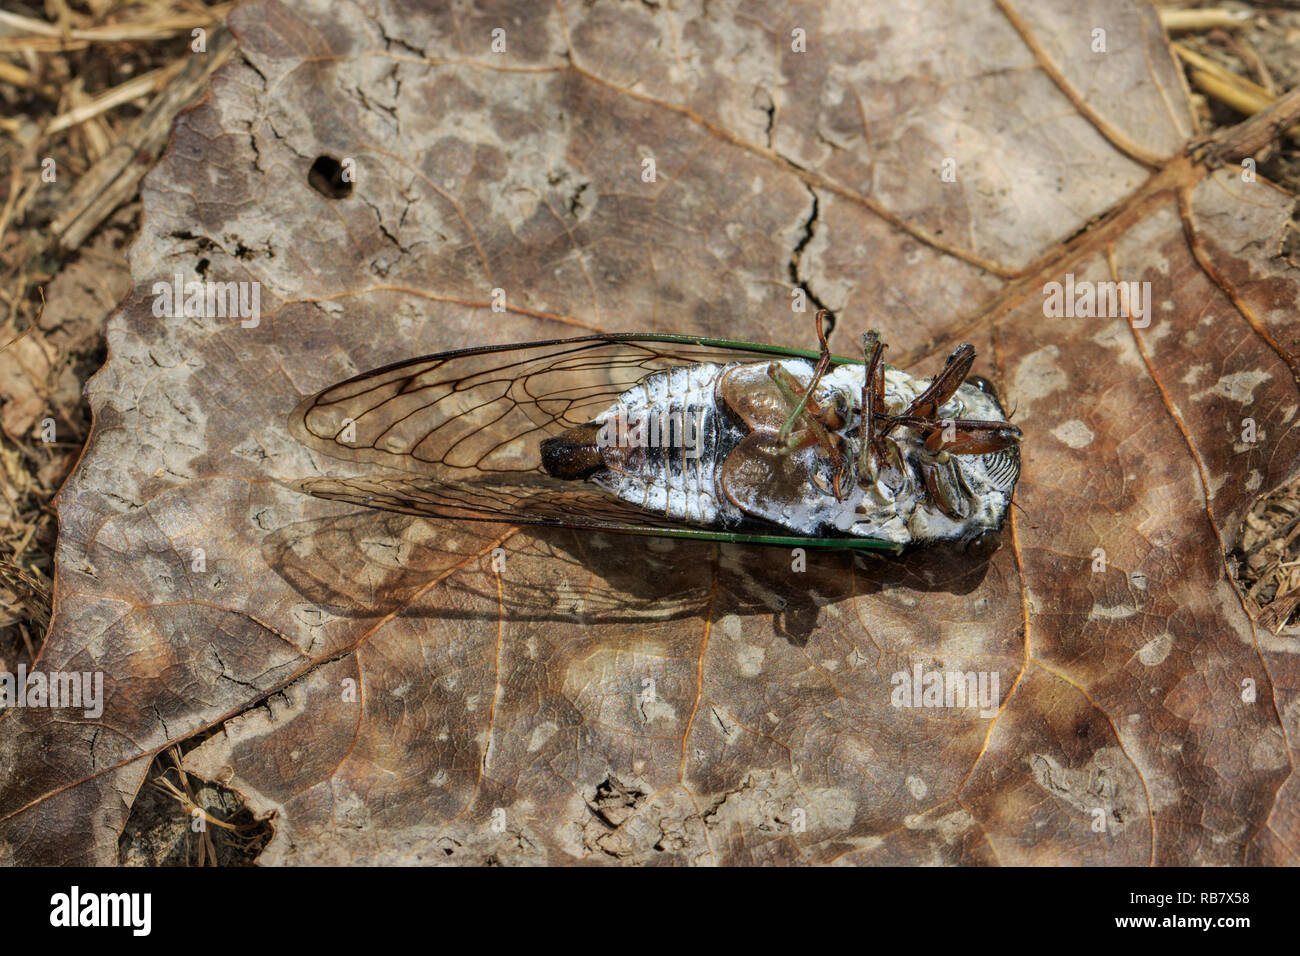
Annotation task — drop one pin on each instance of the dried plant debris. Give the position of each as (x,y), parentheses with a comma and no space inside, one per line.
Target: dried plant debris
(1238,60)
(1268,562)
(177,820)
(86,103)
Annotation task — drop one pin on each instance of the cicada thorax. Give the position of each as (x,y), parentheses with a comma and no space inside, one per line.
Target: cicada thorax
(923,477)
(791,482)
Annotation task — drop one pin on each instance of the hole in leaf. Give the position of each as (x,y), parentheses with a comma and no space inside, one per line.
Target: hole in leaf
(326,177)
(161,828)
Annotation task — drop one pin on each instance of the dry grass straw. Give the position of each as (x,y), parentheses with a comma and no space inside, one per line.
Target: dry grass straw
(88,92)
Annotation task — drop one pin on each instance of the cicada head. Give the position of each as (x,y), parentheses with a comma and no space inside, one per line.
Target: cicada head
(967,460)
(942,467)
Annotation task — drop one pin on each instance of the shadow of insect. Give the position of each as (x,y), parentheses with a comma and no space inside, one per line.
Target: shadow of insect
(371,564)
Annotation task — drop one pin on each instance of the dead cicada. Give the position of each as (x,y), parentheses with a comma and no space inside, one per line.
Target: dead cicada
(677,435)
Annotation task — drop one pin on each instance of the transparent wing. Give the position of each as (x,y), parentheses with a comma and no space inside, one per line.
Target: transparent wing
(458,434)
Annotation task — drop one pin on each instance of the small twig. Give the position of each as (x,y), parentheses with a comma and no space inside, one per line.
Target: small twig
(1254,61)
(1227,87)
(1241,94)
(15,183)
(1274,617)
(15,75)
(132,89)
(185,796)
(27,641)
(158,29)
(187,800)
(1197,21)
(1249,137)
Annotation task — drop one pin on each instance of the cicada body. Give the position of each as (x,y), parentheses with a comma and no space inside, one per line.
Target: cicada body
(676,435)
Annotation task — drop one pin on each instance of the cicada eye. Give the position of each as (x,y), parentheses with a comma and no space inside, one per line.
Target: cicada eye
(985,386)
(984,544)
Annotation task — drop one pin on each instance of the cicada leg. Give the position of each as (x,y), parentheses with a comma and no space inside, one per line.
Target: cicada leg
(945,438)
(972,438)
(894,454)
(819,421)
(962,436)
(807,438)
(793,391)
(815,433)
(943,482)
(943,387)
(873,404)
(823,363)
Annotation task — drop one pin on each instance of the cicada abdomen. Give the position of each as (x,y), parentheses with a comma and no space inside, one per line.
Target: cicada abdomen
(679,436)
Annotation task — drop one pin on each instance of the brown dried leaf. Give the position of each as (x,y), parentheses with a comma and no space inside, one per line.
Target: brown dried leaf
(26,363)
(508,717)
